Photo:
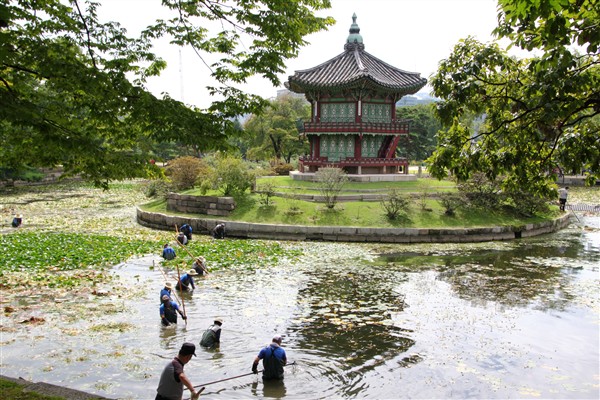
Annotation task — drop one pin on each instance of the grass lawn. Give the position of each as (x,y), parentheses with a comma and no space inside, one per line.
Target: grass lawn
(285,184)
(358,213)
(14,391)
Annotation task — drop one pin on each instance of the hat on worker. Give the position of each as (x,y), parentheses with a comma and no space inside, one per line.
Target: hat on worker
(218,321)
(188,348)
(277,339)
(169,285)
(192,272)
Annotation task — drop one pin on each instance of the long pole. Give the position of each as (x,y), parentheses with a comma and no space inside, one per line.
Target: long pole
(238,376)
(180,285)
(166,279)
(573,212)
(186,249)
(227,379)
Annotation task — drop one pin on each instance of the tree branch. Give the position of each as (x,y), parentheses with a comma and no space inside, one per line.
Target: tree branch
(6,84)
(89,40)
(187,30)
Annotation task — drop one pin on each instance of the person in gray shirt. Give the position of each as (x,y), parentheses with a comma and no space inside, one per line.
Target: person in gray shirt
(172,379)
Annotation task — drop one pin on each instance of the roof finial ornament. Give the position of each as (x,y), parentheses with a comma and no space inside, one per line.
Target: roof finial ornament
(355,40)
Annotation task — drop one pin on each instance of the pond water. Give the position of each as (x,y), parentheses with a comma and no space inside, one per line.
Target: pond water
(514,319)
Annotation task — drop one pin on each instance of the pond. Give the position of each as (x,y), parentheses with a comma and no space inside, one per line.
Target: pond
(514,319)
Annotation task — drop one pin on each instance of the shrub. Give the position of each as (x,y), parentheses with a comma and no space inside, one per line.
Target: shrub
(394,204)
(527,204)
(330,182)
(283,169)
(184,171)
(23,173)
(423,195)
(266,191)
(233,176)
(156,188)
(451,202)
(479,191)
(205,186)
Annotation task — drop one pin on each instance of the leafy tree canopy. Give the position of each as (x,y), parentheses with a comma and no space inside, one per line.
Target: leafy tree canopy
(274,132)
(419,144)
(540,112)
(72,87)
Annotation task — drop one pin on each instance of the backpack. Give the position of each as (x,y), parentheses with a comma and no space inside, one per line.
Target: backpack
(208,337)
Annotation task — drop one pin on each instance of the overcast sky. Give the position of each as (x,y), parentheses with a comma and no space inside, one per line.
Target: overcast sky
(413,35)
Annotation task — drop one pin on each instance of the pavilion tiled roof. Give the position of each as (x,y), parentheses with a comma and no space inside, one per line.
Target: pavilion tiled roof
(355,68)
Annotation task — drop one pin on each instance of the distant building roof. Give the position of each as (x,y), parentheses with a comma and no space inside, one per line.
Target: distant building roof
(355,68)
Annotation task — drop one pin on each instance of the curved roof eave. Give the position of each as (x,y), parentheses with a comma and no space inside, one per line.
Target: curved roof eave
(360,83)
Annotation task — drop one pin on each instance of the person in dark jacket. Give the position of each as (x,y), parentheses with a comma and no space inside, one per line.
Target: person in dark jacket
(219,231)
(200,265)
(274,359)
(181,238)
(17,221)
(212,336)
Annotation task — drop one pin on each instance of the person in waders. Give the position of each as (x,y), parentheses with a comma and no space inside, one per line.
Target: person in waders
(212,336)
(168,311)
(274,359)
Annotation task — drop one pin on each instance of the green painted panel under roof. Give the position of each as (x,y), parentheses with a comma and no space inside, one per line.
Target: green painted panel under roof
(376,112)
(338,112)
(337,147)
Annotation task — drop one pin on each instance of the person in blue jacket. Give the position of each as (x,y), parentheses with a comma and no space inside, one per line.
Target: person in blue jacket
(167,290)
(168,252)
(168,311)
(274,359)
(186,281)
(187,231)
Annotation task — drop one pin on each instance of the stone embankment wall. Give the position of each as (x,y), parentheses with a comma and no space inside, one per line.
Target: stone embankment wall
(246,230)
(209,205)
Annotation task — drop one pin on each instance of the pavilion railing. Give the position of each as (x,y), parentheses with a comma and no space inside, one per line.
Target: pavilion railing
(353,162)
(394,127)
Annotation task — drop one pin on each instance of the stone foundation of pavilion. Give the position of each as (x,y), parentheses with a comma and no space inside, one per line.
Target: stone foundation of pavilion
(386,177)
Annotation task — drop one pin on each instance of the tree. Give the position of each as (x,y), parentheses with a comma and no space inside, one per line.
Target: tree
(72,88)
(420,143)
(229,174)
(538,111)
(330,182)
(274,133)
(184,171)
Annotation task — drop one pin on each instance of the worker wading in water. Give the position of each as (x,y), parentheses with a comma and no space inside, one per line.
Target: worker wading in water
(274,359)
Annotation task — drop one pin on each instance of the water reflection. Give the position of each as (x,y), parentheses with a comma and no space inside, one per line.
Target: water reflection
(536,271)
(274,389)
